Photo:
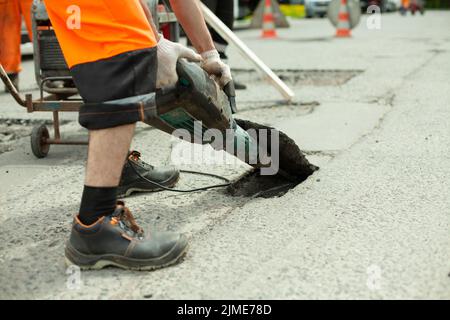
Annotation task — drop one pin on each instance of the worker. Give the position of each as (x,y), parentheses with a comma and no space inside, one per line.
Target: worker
(114,52)
(11,12)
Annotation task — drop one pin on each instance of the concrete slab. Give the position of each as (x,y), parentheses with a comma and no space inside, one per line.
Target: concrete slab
(333,126)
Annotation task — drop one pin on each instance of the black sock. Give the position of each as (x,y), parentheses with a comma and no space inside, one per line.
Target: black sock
(97,202)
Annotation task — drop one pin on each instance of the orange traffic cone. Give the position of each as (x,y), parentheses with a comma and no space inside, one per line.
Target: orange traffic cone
(268,21)
(343,27)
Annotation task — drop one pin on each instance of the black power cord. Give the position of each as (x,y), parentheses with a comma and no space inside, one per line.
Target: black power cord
(215,186)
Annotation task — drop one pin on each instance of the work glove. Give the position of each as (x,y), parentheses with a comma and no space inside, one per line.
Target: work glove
(212,64)
(168,53)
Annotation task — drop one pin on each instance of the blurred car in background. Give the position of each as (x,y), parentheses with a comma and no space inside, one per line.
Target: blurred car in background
(393,5)
(316,8)
(246,8)
(292,8)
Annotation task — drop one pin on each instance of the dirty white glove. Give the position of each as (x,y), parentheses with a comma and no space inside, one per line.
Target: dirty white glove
(168,54)
(214,66)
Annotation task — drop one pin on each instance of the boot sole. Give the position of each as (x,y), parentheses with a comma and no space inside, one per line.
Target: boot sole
(97,262)
(169,183)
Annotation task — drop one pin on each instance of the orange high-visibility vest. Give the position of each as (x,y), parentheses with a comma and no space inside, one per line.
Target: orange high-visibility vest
(92,30)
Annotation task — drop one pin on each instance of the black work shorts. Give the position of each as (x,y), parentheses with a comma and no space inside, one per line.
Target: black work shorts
(123,76)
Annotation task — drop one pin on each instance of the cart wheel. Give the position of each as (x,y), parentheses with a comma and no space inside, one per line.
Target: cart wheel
(39,145)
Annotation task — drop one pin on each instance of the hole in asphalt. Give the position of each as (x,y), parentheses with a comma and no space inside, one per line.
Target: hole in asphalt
(293,167)
(301,77)
(255,185)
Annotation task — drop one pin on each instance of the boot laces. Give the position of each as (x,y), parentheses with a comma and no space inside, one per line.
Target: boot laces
(135,158)
(126,220)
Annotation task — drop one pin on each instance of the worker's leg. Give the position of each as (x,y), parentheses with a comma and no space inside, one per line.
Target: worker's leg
(25,9)
(10,24)
(225,12)
(212,5)
(105,232)
(103,172)
(215,7)
(104,164)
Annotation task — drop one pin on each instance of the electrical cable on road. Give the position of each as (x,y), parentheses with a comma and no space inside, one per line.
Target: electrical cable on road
(215,186)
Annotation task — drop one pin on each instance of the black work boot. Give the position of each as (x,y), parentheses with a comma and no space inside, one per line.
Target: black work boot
(131,180)
(14,77)
(116,240)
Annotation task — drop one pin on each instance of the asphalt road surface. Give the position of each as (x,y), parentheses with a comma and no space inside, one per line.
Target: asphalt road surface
(372,111)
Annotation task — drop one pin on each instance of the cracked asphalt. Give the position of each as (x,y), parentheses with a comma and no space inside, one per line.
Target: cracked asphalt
(372,111)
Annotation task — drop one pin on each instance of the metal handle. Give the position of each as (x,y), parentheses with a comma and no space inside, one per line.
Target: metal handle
(11,88)
(230,91)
